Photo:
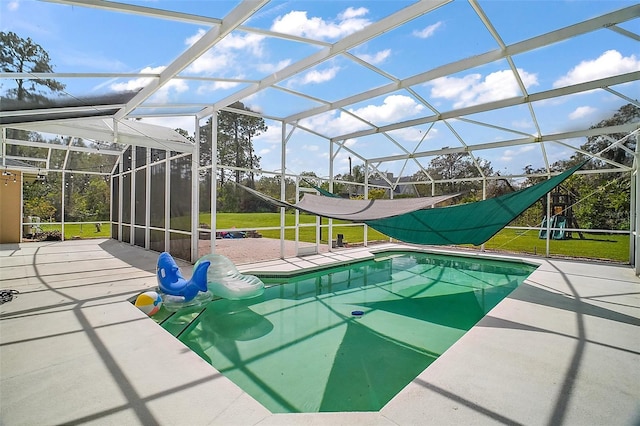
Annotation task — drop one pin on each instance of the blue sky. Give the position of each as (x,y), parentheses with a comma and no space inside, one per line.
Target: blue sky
(86,40)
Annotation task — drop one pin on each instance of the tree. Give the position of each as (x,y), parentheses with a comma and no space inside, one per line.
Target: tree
(183,132)
(457,167)
(234,149)
(339,187)
(97,197)
(602,198)
(270,185)
(235,146)
(87,196)
(626,114)
(24,56)
(373,194)
(312,180)
(40,207)
(358,173)
(605,196)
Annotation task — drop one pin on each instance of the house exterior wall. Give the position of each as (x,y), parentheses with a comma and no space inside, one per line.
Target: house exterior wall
(10,208)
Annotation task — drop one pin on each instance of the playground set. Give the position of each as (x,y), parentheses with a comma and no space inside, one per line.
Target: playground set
(562,201)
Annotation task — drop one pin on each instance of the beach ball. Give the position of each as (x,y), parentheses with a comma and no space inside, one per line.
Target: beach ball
(149,302)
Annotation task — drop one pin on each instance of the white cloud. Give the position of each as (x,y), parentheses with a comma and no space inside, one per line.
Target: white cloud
(273,135)
(253,102)
(394,108)
(609,63)
(233,41)
(351,13)
(453,87)
(511,154)
(137,83)
(210,63)
(523,124)
(12,6)
(311,148)
(228,54)
(297,23)
(472,89)
(186,123)
(376,58)
(582,111)
(413,134)
(314,76)
(428,31)
(320,76)
(216,85)
(271,68)
(197,36)
(162,95)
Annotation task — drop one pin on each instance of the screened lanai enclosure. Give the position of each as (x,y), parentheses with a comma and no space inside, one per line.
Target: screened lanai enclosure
(150,135)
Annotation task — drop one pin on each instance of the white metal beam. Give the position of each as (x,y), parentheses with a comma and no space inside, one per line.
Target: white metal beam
(606,20)
(236,17)
(93,128)
(504,103)
(636,102)
(109,75)
(140,10)
(57,75)
(634,241)
(624,32)
(195,193)
(623,128)
(44,112)
(590,154)
(392,21)
(179,17)
(46,145)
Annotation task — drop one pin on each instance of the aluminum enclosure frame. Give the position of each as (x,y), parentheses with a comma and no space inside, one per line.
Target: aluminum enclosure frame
(236,20)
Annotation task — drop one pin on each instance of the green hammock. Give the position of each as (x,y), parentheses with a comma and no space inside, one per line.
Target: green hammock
(472,223)
(417,220)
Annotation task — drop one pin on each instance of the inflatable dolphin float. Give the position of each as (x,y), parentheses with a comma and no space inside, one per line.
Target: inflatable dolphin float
(171,281)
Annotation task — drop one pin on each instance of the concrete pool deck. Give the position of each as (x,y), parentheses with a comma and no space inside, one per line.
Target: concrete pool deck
(563,348)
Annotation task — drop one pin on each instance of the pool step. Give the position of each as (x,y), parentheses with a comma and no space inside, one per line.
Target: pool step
(383,258)
(178,322)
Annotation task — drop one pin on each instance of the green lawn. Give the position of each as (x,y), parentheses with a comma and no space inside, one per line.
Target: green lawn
(75,230)
(352,234)
(593,246)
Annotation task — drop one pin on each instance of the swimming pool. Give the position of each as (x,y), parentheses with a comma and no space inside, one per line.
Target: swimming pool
(300,348)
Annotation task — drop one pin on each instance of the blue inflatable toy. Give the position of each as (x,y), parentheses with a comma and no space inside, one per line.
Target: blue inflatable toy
(171,281)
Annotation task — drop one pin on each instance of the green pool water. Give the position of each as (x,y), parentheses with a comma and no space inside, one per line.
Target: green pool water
(298,348)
